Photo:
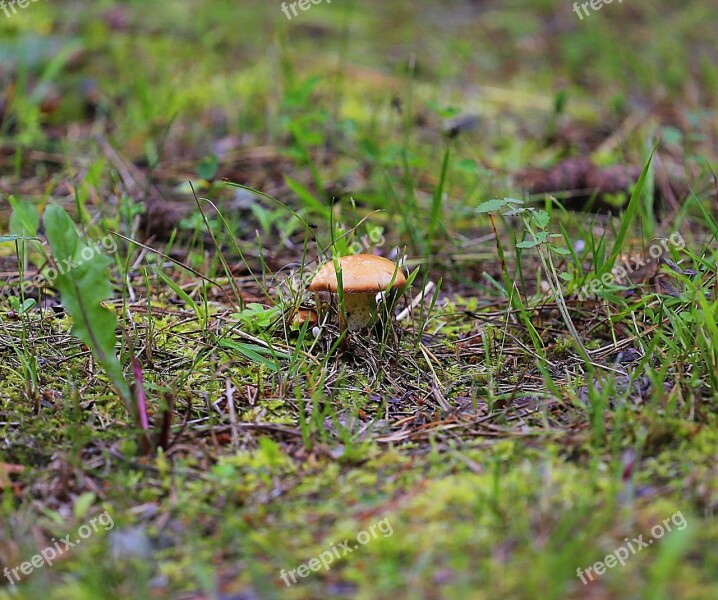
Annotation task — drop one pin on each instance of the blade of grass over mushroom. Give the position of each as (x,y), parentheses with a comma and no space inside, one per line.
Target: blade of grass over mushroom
(83,290)
(340,288)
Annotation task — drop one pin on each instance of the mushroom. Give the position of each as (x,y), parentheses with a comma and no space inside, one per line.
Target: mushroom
(301,316)
(363,276)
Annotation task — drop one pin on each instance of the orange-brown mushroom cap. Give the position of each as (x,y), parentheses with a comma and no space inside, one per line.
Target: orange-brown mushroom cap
(361,274)
(303,315)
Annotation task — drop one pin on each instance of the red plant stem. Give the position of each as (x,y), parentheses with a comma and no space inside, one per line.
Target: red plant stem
(140,393)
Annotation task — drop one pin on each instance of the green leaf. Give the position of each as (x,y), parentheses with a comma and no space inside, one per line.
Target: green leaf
(254,353)
(19,308)
(671,135)
(83,504)
(527,244)
(467,165)
(514,212)
(207,167)
(443,111)
(257,316)
(25,219)
(83,287)
(542,218)
(539,238)
(491,206)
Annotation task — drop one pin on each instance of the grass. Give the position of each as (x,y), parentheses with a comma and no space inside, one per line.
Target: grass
(503,436)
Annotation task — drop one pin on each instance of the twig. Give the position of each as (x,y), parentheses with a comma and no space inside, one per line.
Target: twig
(404,314)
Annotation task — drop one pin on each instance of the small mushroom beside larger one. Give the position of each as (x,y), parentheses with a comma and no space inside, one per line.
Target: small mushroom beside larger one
(363,277)
(301,316)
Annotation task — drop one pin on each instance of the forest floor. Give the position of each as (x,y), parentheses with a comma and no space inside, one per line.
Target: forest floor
(536,416)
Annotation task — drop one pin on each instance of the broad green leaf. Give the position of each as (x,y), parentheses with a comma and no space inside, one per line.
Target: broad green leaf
(84,285)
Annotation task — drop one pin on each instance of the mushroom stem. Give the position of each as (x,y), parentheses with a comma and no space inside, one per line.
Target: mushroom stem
(359,310)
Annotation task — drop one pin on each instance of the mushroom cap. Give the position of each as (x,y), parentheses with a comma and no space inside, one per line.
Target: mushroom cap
(361,274)
(303,315)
